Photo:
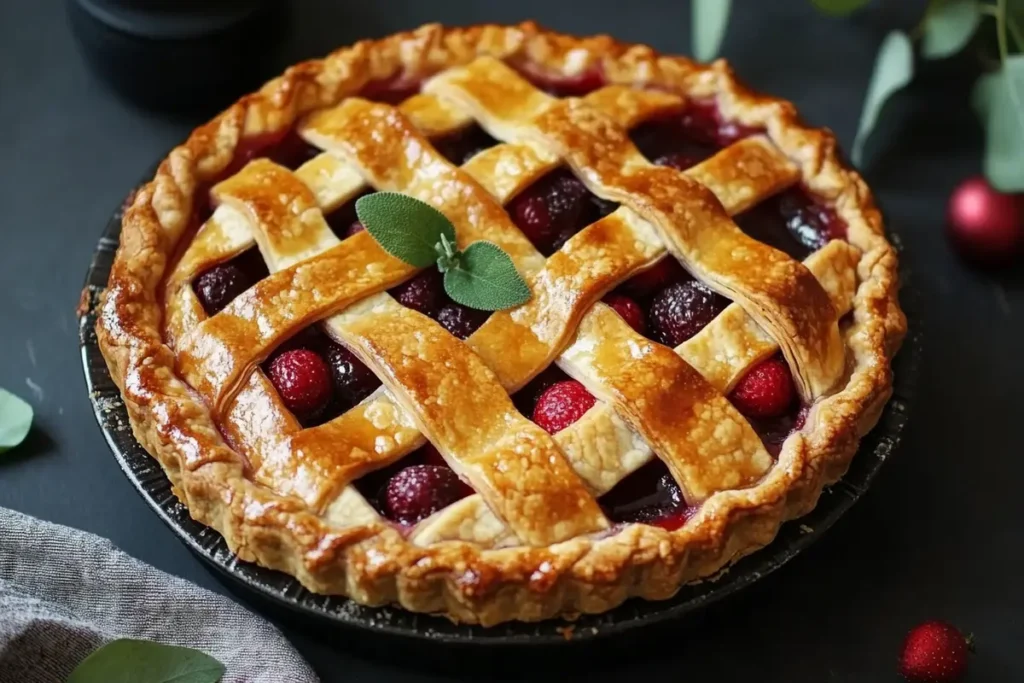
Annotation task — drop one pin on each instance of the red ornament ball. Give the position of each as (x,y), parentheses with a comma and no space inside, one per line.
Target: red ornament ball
(985,225)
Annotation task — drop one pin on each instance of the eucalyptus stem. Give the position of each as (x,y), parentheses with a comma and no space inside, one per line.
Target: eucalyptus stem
(1011,84)
(1001,29)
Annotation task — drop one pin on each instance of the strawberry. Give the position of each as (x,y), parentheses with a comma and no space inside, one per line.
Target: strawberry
(934,652)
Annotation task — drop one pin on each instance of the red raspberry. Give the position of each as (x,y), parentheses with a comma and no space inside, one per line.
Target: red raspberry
(303,380)
(629,310)
(766,391)
(561,405)
(934,652)
(419,491)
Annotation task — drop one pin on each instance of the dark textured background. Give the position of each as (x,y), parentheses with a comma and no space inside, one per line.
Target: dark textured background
(938,536)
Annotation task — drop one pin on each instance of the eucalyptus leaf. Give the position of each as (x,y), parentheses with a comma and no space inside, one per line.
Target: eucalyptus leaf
(15,420)
(141,661)
(485,278)
(839,8)
(405,227)
(709,20)
(998,98)
(894,68)
(948,26)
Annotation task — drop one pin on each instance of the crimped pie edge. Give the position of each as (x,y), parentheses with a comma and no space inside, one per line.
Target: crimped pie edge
(373,564)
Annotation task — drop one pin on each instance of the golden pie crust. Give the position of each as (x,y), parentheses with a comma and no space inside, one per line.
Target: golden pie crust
(532,543)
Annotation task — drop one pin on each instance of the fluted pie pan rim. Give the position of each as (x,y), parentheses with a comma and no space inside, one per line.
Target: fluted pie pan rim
(372,564)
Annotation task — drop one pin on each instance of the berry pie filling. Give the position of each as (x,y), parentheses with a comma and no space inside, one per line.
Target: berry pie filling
(319,379)
(556,207)
(461,146)
(410,490)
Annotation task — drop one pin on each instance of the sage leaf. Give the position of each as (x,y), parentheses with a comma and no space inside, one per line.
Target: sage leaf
(948,26)
(405,227)
(485,278)
(894,68)
(998,98)
(709,21)
(15,420)
(142,661)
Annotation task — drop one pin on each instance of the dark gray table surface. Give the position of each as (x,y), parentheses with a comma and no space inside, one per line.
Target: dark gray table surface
(938,536)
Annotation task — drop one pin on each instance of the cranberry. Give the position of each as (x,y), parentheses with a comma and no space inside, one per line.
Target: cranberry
(986,226)
(354,228)
(550,211)
(766,390)
(353,381)
(629,310)
(303,380)
(460,320)
(561,405)
(419,491)
(423,293)
(683,309)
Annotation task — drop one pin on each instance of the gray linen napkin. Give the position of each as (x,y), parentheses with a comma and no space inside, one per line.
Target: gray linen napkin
(64,592)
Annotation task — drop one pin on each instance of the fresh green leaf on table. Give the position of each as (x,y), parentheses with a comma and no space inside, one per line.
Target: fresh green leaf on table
(485,278)
(948,26)
(405,227)
(141,661)
(998,98)
(839,8)
(710,18)
(15,420)
(894,67)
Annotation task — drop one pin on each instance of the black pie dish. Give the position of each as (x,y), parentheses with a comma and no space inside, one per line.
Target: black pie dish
(284,596)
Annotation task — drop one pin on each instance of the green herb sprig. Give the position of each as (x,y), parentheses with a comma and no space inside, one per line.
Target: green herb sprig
(480,276)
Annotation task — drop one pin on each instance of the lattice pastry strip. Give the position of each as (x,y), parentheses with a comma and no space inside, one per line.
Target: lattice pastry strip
(514,463)
(707,443)
(298,461)
(602,447)
(747,200)
(774,289)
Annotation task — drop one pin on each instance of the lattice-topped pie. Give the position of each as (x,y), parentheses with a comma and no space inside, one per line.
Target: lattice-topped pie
(711,320)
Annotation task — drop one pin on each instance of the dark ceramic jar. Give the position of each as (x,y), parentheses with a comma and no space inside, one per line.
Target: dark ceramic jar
(179,54)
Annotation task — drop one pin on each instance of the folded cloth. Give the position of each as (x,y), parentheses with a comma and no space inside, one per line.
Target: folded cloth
(64,593)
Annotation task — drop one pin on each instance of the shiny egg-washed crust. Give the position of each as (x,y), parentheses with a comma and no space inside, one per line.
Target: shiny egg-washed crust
(372,563)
